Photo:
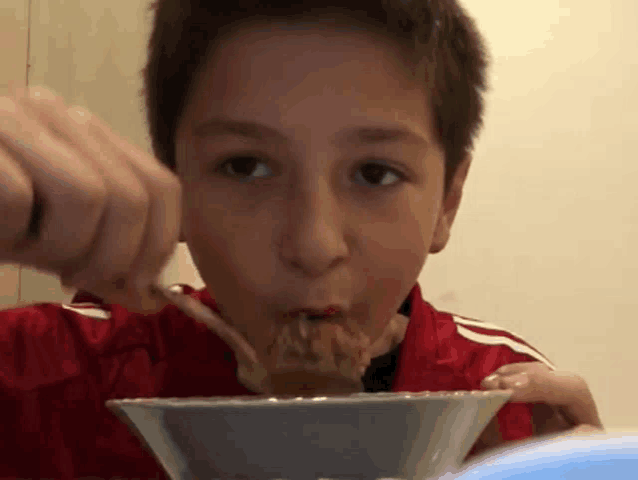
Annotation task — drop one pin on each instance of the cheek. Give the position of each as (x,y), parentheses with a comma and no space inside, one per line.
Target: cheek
(395,253)
(395,259)
(231,244)
(396,244)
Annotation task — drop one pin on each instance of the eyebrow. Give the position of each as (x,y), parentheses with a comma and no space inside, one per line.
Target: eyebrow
(379,134)
(355,136)
(252,130)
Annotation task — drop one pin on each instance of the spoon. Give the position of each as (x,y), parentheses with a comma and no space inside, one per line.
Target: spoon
(200,312)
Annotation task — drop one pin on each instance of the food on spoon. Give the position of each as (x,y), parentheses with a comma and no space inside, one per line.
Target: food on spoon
(306,357)
(244,352)
(324,357)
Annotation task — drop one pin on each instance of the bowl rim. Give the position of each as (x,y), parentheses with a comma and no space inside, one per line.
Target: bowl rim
(334,400)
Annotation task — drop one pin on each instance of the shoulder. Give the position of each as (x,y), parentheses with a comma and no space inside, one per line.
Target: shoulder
(450,331)
(465,349)
(46,344)
(54,342)
(125,328)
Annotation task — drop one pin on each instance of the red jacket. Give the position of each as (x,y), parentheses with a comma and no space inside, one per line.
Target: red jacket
(59,364)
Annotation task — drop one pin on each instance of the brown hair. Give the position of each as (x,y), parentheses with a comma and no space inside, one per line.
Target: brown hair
(437,31)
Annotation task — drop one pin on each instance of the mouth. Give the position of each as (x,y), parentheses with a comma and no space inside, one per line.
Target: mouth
(315,349)
(312,336)
(331,312)
(307,318)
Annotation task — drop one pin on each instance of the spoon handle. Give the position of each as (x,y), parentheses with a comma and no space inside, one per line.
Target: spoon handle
(200,312)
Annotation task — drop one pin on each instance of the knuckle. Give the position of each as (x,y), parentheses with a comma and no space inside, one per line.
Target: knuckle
(505,370)
(20,206)
(95,196)
(138,199)
(16,201)
(42,94)
(130,197)
(17,189)
(153,266)
(8,105)
(79,115)
(137,202)
(584,386)
(167,183)
(16,214)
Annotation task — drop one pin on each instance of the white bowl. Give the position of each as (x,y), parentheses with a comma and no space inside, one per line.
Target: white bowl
(363,436)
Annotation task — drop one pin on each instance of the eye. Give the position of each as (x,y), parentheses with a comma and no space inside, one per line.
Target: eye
(377,174)
(245,167)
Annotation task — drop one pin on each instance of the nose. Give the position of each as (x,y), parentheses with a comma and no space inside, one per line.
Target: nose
(313,240)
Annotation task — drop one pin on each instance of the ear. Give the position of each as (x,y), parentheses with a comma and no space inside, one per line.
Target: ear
(450,206)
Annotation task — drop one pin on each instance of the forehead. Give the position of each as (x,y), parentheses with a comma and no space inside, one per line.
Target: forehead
(313,37)
(312,74)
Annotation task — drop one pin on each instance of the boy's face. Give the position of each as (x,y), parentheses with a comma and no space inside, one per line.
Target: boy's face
(312,178)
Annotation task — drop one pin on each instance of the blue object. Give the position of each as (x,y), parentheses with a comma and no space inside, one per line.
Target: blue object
(599,457)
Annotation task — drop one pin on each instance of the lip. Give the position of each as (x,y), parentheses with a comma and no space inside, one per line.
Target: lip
(326,311)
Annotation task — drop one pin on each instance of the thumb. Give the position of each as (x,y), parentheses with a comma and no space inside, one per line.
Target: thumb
(562,389)
(585,430)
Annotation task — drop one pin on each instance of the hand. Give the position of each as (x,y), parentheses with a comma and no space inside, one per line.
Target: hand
(562,401)
(80,202)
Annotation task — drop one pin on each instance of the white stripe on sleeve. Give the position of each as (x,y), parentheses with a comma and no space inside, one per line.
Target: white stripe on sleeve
(177,288)
(92,312)
(502,340)
(479,324)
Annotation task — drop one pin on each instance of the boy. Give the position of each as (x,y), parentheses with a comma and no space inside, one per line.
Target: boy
(319,154)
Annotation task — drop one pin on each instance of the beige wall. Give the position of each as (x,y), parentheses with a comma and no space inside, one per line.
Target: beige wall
(545,239)
(543,242)
(13,66)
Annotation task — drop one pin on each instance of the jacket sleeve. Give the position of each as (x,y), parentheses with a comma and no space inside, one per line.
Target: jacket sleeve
(58,366)
(49,387)
(39,346)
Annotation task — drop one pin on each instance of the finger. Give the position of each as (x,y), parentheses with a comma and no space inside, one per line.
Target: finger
(164,208)
(492,382)
(495,380)
(107,269)
(549,388)
(504,382)
(16,199)
(548,420)
(121,230)
(71,190)
(521,367)
(586,430)
(562,389)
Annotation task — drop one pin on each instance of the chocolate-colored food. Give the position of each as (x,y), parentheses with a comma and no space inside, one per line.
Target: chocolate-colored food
(324,358)
(305,358)
(308,358)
